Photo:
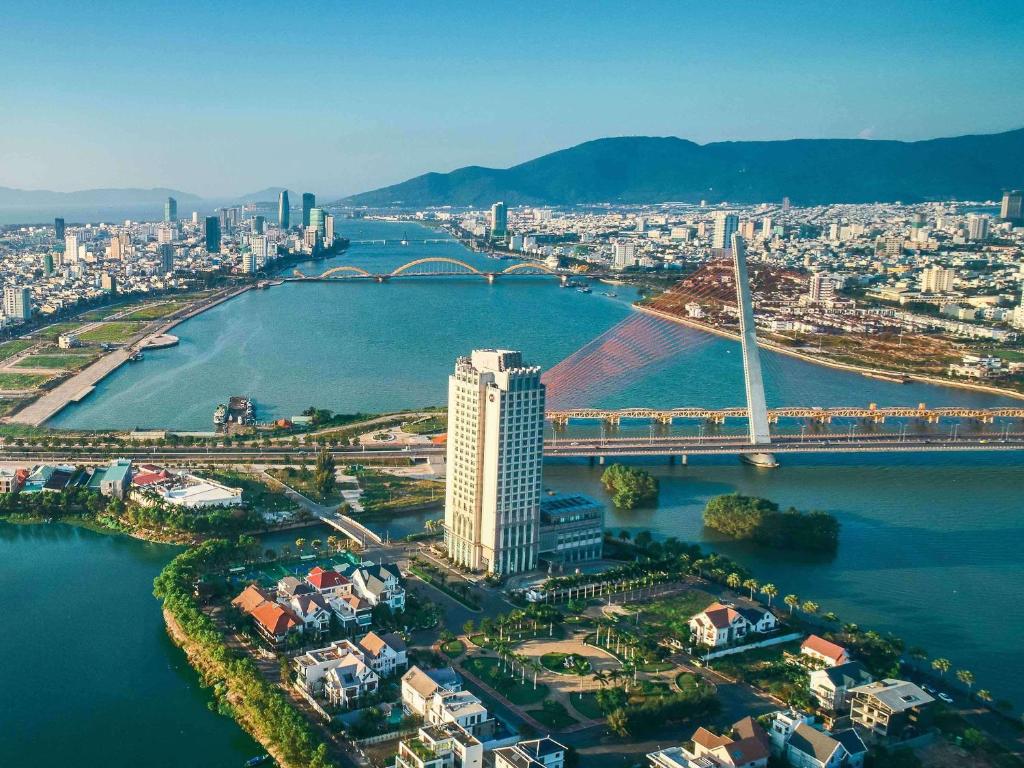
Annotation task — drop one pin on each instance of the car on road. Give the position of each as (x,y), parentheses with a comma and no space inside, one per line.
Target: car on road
(945,697)
(928,689)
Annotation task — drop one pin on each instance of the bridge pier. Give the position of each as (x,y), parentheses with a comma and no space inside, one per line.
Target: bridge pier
(684,459)
(490,278)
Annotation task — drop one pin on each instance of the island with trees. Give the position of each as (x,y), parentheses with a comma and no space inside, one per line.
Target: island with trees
(749,518)
(630,487)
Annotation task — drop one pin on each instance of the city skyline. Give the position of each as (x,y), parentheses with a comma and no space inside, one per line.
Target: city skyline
(400,98)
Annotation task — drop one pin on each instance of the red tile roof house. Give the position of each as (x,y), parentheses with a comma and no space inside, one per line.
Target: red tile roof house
(274,622)
(722,624)
(821,650)
(329,583)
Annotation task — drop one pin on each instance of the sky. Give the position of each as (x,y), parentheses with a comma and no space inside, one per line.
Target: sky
(224,98)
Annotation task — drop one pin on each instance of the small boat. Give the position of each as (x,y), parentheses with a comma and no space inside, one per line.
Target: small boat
(583,289)
(258,760)
(136,357)
(220,413)
(610,294)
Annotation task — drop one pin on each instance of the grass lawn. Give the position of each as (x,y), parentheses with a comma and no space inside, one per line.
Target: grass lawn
(102,313)
(519,693)
(302,481)
(55,330)
(384,493)
(554,716)
(556,662)
(111,333)
(255,492)
(11,348)
(156,311)
(22,380)
(587,706)
(8,406)
(55,361)
(687,680)
(453,649)
(428,426)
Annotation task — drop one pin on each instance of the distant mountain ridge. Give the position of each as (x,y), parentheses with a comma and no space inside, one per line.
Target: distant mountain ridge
(646,169)
(18,198)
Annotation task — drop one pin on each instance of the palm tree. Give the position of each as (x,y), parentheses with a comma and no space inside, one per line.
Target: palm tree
(332,543)
(966,677)
(792,601)
(810,607)
(316,544)
(941,666)
(300,544)
(752,585)
(917,653)
(601,678)
(769,591)
(580,668)
(984,695)
(535,667)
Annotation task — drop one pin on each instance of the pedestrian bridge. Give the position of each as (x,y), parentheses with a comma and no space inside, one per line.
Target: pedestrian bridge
(433,266)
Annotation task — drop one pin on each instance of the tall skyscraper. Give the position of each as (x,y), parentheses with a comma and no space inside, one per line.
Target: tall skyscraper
(328,229)
(284,215)
(249,262)
(766,228)
(499,221)
(47,264)
(977,227)
(259,225)
(936,279)
(171,209)
(308,204)
(495,455)
(1012,208)
(166,253)
(211,232)
(726,225)
(71,248)
(316,220)
(58,229)
(623,254)
(17,302)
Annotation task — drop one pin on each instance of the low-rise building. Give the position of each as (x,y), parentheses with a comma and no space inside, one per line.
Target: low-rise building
(722,624)
(795,739)
(823,651)
(533,753)
(440,746)
(154,485)
(891,710)
(419,687)
(377,584)
(571,529)
(112,480)
(386,655)
(831,686)
(337,673)
(747,746)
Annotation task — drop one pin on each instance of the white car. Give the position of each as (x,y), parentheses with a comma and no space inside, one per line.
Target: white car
(945,697)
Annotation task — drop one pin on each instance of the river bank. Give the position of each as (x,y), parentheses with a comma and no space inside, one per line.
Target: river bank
(862,370)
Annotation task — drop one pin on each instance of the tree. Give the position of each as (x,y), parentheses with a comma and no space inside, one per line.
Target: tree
(810,607)
(630,487)
(300,544)
(733,580)
(618,722)
(624,535)
(985,696)
(966,677)
(468,627)
(792,601)
(769,591)
(942,666)
(332,543)
(752,585)
(323,475)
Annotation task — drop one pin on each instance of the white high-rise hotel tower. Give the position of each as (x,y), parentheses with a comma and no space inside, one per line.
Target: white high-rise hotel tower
(495,462)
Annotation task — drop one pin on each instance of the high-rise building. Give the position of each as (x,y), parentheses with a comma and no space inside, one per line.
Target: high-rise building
(977,227)
(249,262)
(259,225)
(1012,208)
(47,264)
(284,215)
(623,254)
(17,302)
(936,279)
(71,248)
(211,233)
(747,230)
(171,209)
(114,249)
(726,224)
(165,233)
(195,218)
(58,229)
(821,288)
(260,247)
(766,228)
(165,251)
(499,221)
(329,229)
(308,204)
(108,282)
(316,220)
(494,462)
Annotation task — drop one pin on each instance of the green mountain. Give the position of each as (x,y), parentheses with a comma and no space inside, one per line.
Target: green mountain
(646,169)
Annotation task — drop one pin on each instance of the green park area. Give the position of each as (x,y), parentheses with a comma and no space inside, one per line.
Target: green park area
(256,491)
(55,330)
(517,687)
(158,310)
(13,347)
(22,380)
(384,492)
(427,426)
(111,333)
(71,362)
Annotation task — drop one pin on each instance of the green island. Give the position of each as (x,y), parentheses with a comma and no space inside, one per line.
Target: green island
(749,518)
(630,487)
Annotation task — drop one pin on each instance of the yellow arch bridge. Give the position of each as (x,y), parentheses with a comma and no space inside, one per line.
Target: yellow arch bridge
(432,266)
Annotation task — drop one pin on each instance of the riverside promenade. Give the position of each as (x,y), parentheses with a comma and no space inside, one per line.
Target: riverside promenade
(84,382)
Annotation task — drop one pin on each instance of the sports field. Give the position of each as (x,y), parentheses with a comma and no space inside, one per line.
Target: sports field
(268,574)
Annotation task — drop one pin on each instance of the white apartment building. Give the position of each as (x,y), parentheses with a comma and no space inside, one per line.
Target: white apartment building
(623,254)
(726,225)
(17,302)
(936,279)
(495,454)
(821,288)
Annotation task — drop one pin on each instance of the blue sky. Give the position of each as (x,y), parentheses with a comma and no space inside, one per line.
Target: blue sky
(223,98)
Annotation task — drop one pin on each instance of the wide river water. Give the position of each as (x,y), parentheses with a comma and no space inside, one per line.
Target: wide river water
(931,546)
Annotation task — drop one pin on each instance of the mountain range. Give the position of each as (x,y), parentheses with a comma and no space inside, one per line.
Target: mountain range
(647,169)
(18,198)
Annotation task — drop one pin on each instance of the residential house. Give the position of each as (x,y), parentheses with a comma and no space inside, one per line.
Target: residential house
(419,686)
(113,480)
(275,622)
(313,610)
(328,583)
(463,708)
(795,738)
(723,624)
(351,610)
(377,584)
(821,650)
(831,686)
(891,710)
(49,478)
(533,753)
(440,746)
(290,586)
(385,654)
(251,598)
(11,480)
(338,673)
(747,746)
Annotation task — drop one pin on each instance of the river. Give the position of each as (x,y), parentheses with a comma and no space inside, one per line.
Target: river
(931,546)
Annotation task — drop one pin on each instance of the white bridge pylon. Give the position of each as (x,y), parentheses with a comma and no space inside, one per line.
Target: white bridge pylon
(757,407)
